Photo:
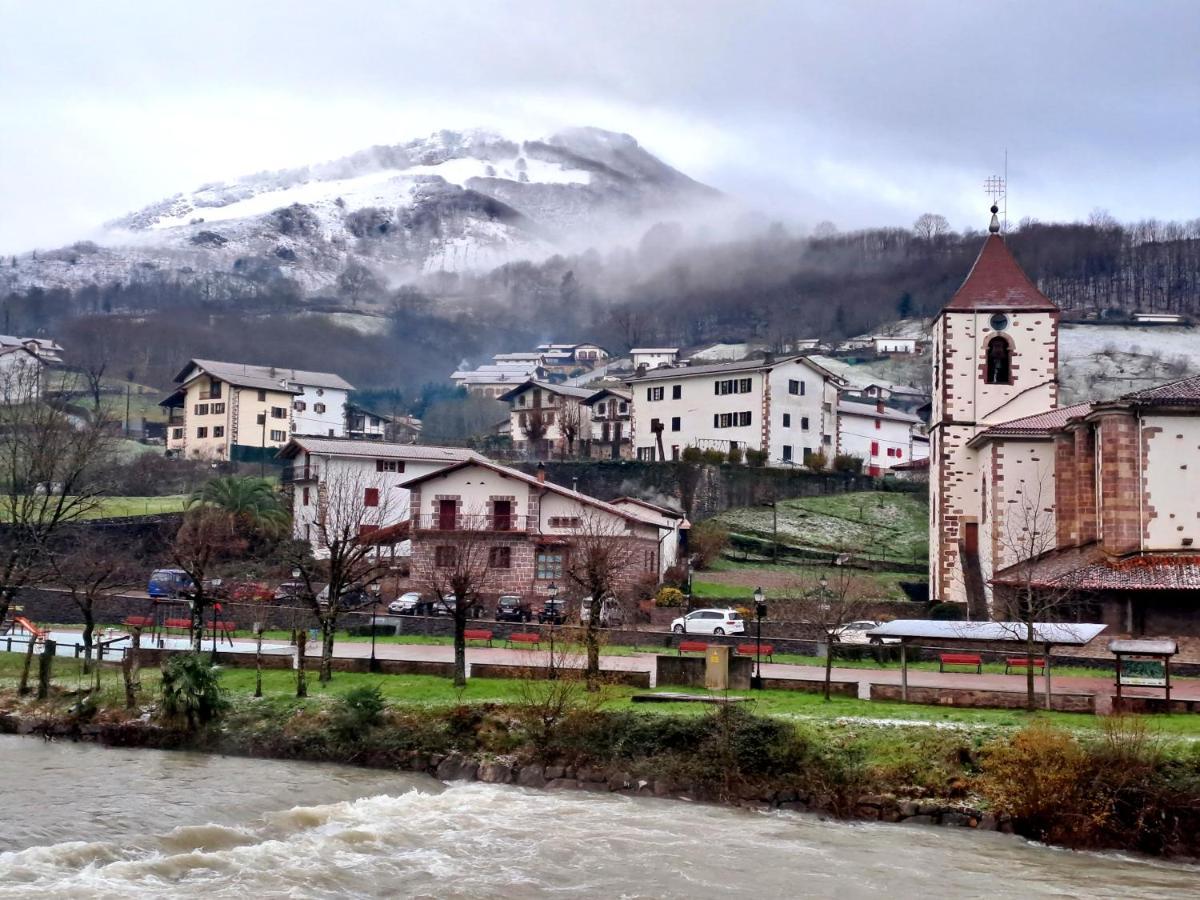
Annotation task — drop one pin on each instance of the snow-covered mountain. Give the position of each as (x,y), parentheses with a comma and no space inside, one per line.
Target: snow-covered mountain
(452,201)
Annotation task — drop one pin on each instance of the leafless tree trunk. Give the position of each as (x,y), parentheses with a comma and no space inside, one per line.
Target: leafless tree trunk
(840,596)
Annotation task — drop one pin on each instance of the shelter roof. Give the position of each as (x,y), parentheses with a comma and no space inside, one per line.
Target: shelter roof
(1065,633)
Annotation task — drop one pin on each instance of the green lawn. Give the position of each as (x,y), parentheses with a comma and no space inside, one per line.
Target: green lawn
(428,690)
(138,506)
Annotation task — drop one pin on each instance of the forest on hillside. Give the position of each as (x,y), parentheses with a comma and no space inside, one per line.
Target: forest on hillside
(674,288)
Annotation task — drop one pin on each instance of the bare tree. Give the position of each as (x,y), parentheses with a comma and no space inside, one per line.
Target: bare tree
(840,596)
(92,569)
(571,422)
(51,474)
(601,556)
(930,226)
(1025,531)
(205,539)
(455,570)
(535,428)
(345,556)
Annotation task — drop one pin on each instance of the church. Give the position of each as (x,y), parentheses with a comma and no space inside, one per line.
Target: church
(1097,503)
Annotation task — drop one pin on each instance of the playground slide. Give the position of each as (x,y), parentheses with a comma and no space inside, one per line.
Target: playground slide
(38,633)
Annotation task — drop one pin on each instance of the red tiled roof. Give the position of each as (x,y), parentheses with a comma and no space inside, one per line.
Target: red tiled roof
(997,282)
(1184,391)
(1145,572)
(1042,424)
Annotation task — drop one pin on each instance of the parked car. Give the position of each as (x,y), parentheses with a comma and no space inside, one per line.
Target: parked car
(169,583)
(351,599)
(409,603)
(856,633)
(251,592)
(291,590)
(611,614)
(449,602)
(553,612)
(710,621)
(512,608)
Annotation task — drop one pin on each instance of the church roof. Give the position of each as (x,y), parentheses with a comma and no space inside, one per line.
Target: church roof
(996,282)
(1185,391)
(1040,425)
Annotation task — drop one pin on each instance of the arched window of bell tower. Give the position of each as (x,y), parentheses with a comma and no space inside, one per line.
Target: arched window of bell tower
(998,365)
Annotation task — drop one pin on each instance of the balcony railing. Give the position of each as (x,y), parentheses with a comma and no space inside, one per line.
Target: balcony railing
(299,474)
(464,522)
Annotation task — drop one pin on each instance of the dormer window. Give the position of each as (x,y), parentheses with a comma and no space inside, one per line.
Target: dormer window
(998,369)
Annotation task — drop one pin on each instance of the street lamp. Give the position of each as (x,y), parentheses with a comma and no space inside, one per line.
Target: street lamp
(552,593)
(375,589)
(760,613)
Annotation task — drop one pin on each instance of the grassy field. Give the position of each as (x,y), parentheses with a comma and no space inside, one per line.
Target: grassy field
(138,506)
(875,524)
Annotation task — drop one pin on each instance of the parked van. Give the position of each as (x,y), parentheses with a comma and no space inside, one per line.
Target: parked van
(168,583)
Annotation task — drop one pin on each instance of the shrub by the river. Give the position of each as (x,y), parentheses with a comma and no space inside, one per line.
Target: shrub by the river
(191,691)
(358,710)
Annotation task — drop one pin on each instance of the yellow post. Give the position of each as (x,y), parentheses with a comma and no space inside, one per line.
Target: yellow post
(716,672)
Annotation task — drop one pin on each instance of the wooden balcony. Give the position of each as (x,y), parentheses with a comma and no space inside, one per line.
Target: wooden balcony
(300,474)
(473,523)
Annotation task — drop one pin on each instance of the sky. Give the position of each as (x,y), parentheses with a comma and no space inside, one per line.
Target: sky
(861,113)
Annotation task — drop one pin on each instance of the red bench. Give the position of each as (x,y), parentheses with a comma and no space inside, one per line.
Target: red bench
(960,659)
(227,627)
(692,647)
(1022,662)
(753,649)
(474,634)
(525,638)
(185,624)
(139,621)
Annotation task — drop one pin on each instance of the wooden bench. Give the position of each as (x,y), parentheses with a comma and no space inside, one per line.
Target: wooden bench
(1022,662)
(692,647)
(139,622)
(960,659)
(753,650)
(478,634)
(523,637)
(185,624)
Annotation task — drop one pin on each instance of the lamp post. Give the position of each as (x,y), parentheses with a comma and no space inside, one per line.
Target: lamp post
(823,610)
(375,589)
(552,593)
(760,613)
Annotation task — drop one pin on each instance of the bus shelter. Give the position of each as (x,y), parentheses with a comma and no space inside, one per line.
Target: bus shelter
(1007,637)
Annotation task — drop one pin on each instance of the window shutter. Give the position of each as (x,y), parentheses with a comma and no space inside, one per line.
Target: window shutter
(371,497)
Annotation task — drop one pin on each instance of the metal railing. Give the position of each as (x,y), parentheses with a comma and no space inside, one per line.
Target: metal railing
(464,522)
(297,474)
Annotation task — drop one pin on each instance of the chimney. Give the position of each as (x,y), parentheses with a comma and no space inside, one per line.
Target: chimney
(541,472)
(879,405)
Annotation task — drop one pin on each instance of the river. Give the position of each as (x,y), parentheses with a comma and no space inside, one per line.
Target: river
(88,821)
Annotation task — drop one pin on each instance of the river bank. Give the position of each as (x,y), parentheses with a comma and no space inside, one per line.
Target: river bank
(177,824)
(1121,788)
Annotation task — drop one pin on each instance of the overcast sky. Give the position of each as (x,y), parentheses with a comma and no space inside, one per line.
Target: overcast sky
(862,113)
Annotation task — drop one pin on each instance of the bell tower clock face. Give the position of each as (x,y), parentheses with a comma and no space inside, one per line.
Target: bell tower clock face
(999,322)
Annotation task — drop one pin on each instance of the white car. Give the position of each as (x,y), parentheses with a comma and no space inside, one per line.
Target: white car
(710,621)
(407,604)
(856,633)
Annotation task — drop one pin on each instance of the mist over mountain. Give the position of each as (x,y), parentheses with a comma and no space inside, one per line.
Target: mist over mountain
(450,202)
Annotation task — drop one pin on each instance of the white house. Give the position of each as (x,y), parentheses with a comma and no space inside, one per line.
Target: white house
(888,344)
(671,522)
(22,374)
(494,380)
(332,477)
(321,405)
(653,357)
(786,407)
(549,415)
(877,434)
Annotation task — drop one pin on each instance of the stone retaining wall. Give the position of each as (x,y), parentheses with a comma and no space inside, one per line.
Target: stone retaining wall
(979,697)
(612,676)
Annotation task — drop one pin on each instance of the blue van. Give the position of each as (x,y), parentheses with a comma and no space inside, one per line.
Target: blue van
(168,583)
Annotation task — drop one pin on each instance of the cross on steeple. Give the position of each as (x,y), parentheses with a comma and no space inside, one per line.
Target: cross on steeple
(994,187)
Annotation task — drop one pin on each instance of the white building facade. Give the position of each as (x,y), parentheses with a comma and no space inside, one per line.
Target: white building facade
(785,407)
(879,435)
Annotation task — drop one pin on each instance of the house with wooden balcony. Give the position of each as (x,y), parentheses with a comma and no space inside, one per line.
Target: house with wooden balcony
(339,478)
(527,527)
(610,411)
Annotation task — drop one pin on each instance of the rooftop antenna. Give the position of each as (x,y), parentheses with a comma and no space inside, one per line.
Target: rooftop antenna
(996,187)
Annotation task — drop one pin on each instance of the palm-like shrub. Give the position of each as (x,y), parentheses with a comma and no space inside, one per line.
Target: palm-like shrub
(191,691)
(251,503)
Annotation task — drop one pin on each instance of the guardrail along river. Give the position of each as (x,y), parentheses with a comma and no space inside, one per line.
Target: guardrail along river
(86,821)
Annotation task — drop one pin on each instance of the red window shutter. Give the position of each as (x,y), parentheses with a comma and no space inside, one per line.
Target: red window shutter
(899,453)
(874,448)
(878,424)
(371,497)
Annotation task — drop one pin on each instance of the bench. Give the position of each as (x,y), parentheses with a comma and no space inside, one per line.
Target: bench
(960,659)
(1022,662)
(692,647)
(139,622)
(525,638)
(753,649)
(185,624)
(478,634)
(227,627)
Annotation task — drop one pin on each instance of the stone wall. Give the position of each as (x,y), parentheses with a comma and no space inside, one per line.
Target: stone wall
(978,697)
(701,491)
(688,671)
(611,676)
